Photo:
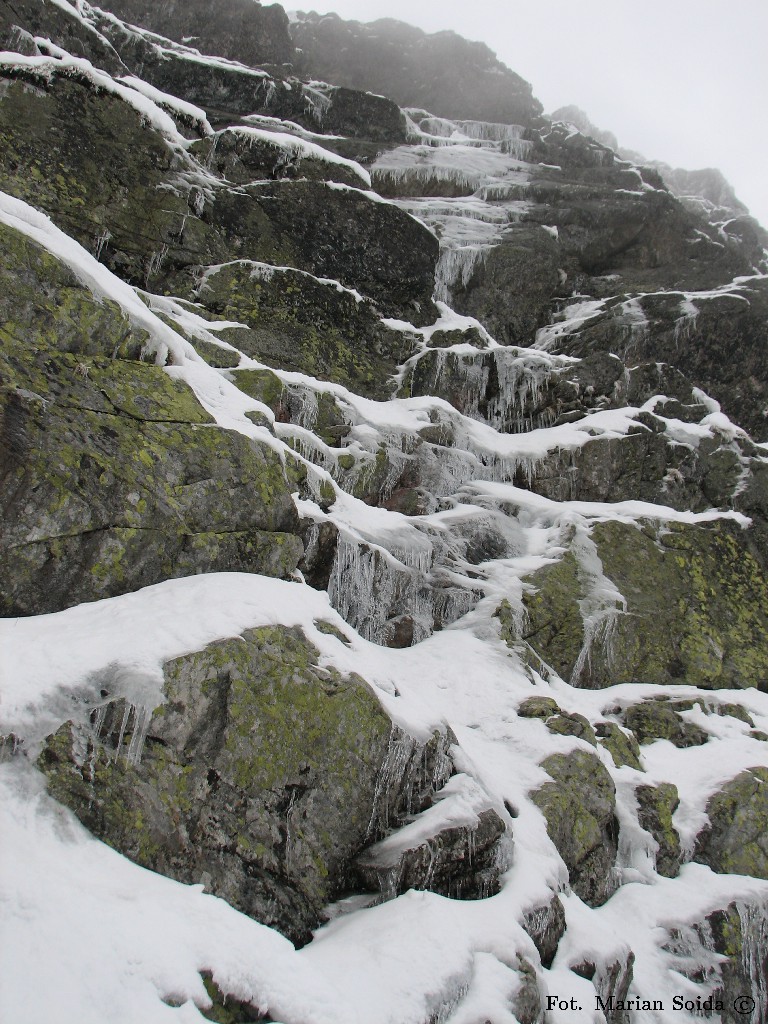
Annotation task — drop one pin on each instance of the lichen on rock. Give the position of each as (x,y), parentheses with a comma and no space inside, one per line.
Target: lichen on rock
(258,777)
(579,807)
(736,838)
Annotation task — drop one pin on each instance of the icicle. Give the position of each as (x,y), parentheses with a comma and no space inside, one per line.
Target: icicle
(419,175)
(389,881)
(98,720)
(317,103)
(443,765)
(686,323)
(156,261)
(491,132)
(438,126)
(270,88)
(519,149)
(636,327)
(430,872)
(521,383)
(390,777)
(351,586)
(456,267)
(303,406)
(141,719)
(369,586)
(600,607)
(123,726)
(101,241)
(754,943)
(691,950)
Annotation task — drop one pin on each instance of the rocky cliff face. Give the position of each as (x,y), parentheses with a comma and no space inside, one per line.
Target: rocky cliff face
(384,540)
(441,72)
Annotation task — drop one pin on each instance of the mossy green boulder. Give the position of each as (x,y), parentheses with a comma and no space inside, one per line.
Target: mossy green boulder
(579,805)
(566,724)
(661,720)
(258,777)
(538,707)
(736,839)
(623,748)
(562,723)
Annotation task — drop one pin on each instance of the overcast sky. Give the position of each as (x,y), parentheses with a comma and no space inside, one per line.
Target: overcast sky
(685,81)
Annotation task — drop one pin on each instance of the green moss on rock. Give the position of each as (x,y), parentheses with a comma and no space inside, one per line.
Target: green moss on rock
(736,839)
(264,386)
(259,775)
(623,748)
(566,724)
(296,322)
(580,809)
(108,178)
(656,805)
(240,157)
(114,476)
(660,720)
(709,629)
(538,707)
(226,1009)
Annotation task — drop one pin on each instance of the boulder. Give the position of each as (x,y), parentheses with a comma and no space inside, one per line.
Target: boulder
(736,839)
(660,720)
(579,805)
(259,776)
(655,807)
(546,926)
(450,848)
(623,747)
